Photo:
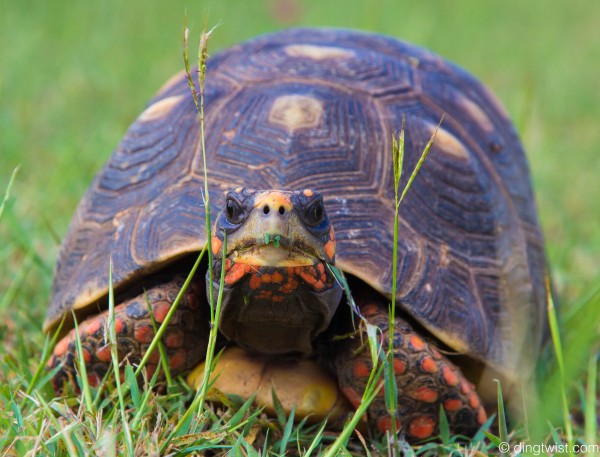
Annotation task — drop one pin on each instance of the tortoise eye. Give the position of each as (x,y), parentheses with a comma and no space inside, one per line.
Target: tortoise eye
(315,213)
(234,211)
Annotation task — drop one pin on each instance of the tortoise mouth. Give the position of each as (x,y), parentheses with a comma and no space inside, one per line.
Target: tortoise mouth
(272,256)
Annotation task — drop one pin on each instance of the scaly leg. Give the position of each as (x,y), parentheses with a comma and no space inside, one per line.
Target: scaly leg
(185,339)
(426,380)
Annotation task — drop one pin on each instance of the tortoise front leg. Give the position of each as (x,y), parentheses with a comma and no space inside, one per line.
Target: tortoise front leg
(426,380)
(185,339)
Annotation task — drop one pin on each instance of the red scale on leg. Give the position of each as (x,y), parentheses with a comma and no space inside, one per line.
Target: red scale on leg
(352,396)
(361,369)
(399,367)
(174,338)
(144,333)
(449,377)
(177,361)
(425,394)
(422,427)
(481,415)
(103,354)
(160,311)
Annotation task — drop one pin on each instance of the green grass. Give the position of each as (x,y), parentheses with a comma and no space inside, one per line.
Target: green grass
(74,75)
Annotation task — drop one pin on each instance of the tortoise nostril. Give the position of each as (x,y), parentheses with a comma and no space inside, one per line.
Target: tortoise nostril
(281,210)
(266,209)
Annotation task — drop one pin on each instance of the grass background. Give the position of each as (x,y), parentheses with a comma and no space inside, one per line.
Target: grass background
(74,75)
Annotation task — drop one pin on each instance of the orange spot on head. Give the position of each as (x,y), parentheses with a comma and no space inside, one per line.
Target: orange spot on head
(352,396)
(416,343)
(273,199)
(449,376)
(308,274)
(277,277)
(318,285)
(425,394)
(216,244)
(255,281)
(422,427)
(361,369)
(266,278)
(428,365)
(330,250)
(453,404)
(308,192)
(239,189)
(288,287)
(235,273)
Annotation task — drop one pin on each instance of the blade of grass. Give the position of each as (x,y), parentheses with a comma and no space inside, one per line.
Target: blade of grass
(287,432)
(146,398)
(371,391)
(85,385)
(502,428)
(62,430)
(200,398)
(591,412)
(316,440)
(112,341)
(424,155)
(555,332)
(391,388)
(444,427)
(8,189)
(41,368)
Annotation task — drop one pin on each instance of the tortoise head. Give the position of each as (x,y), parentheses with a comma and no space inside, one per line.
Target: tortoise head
(279,292)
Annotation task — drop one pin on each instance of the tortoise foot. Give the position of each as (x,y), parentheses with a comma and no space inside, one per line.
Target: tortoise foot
(426,381)
(185,339)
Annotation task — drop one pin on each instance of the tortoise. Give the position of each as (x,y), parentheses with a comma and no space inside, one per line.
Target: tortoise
(299,126)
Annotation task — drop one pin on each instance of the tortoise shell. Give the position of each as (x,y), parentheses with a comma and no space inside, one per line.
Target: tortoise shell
(317,108)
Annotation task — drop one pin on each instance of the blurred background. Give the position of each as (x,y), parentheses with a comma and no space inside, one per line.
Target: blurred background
(74,75)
